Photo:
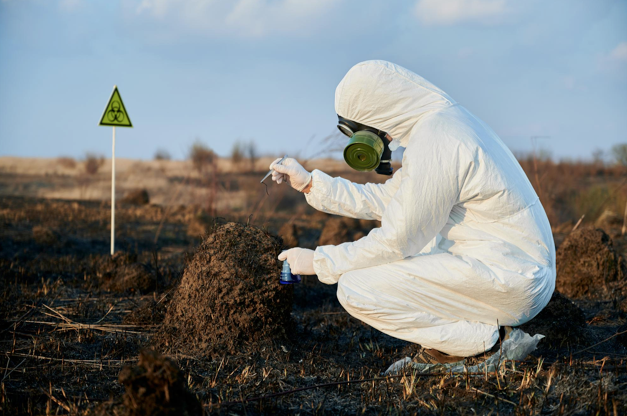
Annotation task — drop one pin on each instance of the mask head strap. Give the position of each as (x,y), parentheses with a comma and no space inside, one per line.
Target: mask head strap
(349,127)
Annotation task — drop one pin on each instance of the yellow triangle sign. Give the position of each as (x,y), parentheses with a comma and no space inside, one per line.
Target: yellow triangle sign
(115,113)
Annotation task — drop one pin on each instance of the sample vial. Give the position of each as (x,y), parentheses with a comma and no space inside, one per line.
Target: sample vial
(287,278)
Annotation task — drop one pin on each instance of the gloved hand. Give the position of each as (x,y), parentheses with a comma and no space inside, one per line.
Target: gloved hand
(292,172)
(299,259)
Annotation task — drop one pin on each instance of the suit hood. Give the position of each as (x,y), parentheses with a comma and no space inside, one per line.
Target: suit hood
(388,97)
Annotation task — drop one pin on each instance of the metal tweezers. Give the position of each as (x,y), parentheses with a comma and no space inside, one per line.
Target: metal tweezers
(272,170)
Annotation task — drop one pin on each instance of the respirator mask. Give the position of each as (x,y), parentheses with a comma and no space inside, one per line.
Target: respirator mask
(367,148)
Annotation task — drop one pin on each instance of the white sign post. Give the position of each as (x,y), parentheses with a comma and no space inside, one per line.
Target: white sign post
(113,194)
(114,115)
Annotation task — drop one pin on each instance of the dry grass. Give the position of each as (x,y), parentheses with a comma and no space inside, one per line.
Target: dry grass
(569,190)
(66,162)
(65,337)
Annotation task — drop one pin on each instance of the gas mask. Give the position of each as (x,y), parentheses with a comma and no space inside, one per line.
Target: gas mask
(367,148)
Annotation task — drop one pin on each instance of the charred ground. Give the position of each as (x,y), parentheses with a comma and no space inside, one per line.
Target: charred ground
(74,321)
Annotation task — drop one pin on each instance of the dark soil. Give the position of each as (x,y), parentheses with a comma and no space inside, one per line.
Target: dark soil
(152,312)
(587,264)
(230,294)
(562,322)
(123,273)
(66,335)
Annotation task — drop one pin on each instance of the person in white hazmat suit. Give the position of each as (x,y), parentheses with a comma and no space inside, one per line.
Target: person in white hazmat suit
(464,246)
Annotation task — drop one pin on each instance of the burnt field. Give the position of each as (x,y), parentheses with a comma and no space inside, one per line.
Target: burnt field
(168,325)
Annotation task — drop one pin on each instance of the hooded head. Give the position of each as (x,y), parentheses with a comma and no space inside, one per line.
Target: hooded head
(388,97)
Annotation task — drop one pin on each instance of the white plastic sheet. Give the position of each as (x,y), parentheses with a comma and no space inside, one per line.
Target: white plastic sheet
(517,347)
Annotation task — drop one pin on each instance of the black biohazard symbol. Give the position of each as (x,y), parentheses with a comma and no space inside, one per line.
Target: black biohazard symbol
(115,114)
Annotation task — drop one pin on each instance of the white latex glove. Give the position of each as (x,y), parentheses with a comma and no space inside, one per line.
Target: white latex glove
(292,172)
(300,260)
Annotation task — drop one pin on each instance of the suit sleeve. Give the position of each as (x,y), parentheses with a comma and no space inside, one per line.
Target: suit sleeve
(342,197)
(429,187)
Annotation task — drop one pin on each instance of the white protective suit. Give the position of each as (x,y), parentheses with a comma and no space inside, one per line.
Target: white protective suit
(464,243)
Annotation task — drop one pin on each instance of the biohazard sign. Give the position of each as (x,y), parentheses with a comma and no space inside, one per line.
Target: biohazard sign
(115,113)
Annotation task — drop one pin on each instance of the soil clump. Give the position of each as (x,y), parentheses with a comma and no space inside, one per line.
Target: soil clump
(289,233)
(199,224)
(122,273)
(561,322)
(137,197)
(155,386)
(45,235)
(587,264)
(341,230)
(229,295)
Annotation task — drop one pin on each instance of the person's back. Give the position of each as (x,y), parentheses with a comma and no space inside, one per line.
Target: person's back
(497,217)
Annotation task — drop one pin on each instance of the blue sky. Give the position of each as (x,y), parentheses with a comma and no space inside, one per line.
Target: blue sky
(266,70)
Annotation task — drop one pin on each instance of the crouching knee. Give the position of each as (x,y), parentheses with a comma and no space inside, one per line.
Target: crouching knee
(349,293)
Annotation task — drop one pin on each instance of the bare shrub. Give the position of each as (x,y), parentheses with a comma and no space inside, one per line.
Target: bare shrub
(67,162)
(201,156)
(252,153)
(205,161)
(237,152)
(245,150)
(93,163)
(619,152)
(598,157)
(162,154)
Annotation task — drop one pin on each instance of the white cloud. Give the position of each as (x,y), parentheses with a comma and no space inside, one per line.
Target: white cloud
(244,18)
(450,12)
(70,5)
(619,54)
(615,62)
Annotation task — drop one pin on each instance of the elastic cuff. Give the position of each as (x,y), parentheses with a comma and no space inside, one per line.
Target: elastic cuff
(305,185)
(320,188)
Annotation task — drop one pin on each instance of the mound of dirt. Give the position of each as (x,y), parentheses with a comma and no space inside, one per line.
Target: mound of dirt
(199,224)
(122,273)
(562,323)
(45,235)
(341,230)
(136,197)
(155,386)
(335,232)
(229,294)
(587,263)
(289,234)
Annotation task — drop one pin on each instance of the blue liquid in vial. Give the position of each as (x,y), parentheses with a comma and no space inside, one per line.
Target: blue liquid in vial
(287,278)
